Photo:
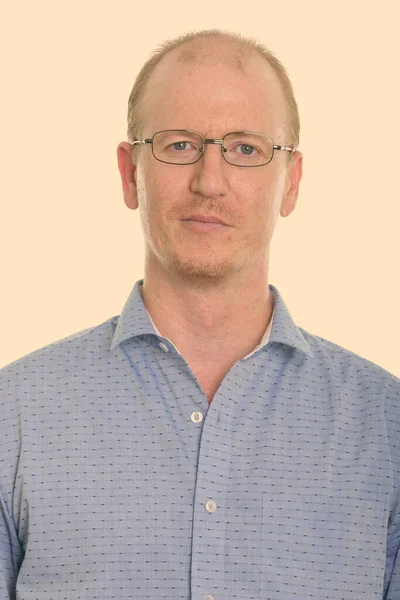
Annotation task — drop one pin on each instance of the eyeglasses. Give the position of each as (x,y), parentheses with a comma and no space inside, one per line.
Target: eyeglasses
(239,148)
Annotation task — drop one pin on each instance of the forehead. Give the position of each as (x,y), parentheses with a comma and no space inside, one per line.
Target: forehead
(214,94)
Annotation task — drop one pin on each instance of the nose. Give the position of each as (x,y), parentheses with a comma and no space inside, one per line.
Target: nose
(210,177)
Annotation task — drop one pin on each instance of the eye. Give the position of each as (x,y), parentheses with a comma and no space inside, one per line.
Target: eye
(246,149)
(180,145)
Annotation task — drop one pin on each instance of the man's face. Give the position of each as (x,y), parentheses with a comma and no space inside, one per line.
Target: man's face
(213,99)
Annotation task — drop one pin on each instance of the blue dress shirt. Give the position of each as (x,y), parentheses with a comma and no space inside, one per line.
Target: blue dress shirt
(118,480)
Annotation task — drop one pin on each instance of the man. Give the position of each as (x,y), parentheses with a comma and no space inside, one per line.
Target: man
(202,445)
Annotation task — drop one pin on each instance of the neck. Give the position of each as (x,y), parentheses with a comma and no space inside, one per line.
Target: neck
(204,322)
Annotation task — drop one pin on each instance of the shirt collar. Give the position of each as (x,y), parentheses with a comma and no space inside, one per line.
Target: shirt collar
(135,321)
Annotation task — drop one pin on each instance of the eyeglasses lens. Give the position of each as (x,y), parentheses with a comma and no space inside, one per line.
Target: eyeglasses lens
(248,149)
(177,147)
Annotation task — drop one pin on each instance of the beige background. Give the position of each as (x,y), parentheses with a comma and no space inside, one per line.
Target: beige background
(71,250)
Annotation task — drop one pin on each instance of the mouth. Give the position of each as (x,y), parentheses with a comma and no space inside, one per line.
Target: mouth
(206,219)
(203,226)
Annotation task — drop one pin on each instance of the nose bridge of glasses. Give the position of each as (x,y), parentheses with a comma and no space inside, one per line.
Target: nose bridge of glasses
(215,141)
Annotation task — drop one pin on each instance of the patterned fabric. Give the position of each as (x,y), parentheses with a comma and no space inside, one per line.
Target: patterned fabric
(119,481)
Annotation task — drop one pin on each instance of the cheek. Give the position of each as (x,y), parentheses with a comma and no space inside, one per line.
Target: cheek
(163,197)
(163,186)
(262,201)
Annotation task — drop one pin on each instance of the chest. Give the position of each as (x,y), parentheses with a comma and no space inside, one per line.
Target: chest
(265,497)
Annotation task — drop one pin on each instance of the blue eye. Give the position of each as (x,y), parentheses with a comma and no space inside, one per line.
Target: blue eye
(246,149)
(180,145)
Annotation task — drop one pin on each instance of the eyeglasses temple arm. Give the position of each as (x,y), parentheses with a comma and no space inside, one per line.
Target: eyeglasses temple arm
(291,150)
(147,141)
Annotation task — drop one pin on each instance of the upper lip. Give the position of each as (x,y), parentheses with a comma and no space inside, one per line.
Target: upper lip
(205,219)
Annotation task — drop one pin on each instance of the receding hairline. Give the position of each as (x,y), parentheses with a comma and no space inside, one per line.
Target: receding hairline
(199,52)
(229,51)
(232,50)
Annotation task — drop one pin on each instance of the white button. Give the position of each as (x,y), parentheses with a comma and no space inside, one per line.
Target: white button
(210,506)
(208,597)
(196,417)
(164,347)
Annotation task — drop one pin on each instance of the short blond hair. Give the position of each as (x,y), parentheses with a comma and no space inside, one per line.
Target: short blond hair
(241,46)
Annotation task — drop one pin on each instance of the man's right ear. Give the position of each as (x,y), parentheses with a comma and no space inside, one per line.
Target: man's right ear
(127,170)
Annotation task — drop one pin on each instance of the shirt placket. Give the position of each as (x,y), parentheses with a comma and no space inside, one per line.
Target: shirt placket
(209,519)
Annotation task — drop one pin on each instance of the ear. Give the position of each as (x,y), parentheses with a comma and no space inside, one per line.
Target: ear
(128,172)
(293,177)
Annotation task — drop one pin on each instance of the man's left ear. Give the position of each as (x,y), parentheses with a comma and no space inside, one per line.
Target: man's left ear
(293,177)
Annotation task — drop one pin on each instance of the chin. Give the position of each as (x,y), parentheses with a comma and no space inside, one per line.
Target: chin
(201,271)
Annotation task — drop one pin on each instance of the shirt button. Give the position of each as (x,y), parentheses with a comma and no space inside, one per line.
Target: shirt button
(196,417)
(210,506)
(164,347)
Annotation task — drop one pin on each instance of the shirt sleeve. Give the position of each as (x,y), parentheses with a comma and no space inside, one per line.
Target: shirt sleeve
(391,588)
(11,553)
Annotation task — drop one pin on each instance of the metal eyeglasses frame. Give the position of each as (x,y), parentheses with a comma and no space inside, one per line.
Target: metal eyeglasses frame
(213,141)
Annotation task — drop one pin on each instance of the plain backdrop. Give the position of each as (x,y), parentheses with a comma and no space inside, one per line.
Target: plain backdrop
(71,250)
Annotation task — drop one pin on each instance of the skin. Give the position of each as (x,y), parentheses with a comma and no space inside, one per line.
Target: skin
(208,292)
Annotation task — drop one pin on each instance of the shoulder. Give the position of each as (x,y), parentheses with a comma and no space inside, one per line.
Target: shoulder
(348,367)
(59,356)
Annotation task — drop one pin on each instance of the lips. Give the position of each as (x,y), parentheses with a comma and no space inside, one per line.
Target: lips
(206,219)
(202,227)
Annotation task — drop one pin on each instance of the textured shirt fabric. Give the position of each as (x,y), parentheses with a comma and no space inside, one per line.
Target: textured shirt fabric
(119,481)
